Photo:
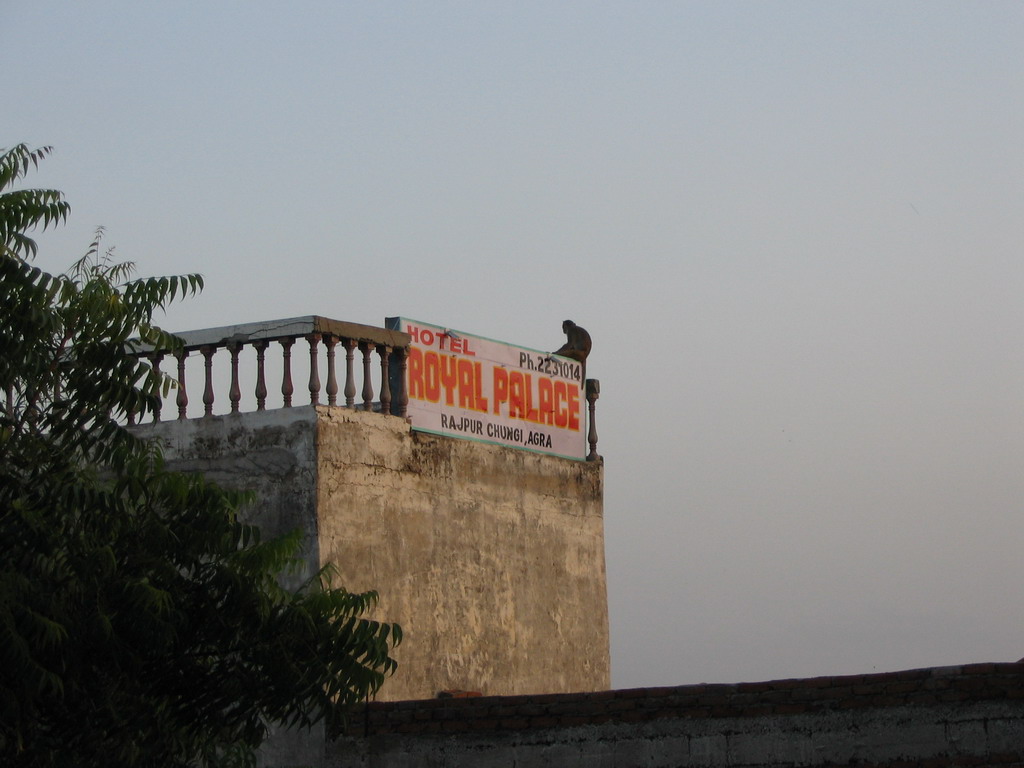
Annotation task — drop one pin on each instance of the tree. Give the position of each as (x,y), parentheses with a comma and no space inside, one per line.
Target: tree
(141,623)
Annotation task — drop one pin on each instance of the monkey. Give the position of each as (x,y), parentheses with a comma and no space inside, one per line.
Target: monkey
(577,343)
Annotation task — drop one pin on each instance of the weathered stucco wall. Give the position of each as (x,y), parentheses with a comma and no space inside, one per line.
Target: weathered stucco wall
(491,558)
(272,453)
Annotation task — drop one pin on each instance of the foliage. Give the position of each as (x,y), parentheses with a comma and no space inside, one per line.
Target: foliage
(22,210)
(141,623)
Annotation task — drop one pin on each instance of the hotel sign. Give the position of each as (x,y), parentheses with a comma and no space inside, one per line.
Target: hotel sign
(474,388)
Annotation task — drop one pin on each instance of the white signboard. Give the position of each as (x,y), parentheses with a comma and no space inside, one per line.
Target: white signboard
(474,388)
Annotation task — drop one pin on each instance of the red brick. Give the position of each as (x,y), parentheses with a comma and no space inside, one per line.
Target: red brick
(543,722)
(755,687)
(659,693)
(780,695)
(578,708)
(903,687)
(636,716)
(486,724)
(682,702)
(620,706)
(414,727)
(888,701)
(713,700)
(820,682)
(632,693)
(570,721)
(910,674)
(781,685)
(823,694)
(506,710)
(396,704)
(696,712)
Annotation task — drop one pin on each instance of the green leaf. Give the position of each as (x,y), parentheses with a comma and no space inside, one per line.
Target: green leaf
(141,623)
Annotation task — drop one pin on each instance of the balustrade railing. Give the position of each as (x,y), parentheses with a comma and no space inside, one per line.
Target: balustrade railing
(258,365)
(322,338)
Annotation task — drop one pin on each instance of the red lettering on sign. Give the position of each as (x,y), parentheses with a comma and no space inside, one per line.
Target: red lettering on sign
(465,383)
(546,407)
(561,412)
(478,395)
(500,387)
(516,395)
(574,408)
(415,373)
(449,378)
(531,411)
(432,376)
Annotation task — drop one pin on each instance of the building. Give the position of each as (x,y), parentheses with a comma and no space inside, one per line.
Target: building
(490,557)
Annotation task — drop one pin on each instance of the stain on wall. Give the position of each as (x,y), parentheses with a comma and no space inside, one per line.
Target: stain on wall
(491,558)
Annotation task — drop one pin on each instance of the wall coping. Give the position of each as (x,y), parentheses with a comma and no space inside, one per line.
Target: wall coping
(969,683)
(291,327)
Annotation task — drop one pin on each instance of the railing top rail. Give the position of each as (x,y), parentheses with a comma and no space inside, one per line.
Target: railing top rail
(292,327)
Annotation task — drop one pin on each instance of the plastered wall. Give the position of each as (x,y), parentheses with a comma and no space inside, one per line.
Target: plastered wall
(491,558)
(271,453)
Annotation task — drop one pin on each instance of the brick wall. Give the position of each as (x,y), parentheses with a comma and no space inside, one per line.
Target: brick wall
(951,716)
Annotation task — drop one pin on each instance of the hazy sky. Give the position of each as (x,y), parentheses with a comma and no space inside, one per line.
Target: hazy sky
(793,230)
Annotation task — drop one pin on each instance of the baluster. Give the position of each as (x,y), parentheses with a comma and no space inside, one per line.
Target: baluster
(182,399)
(350,381)
(593,392)
(235,391)
(403,390)
(314,374)
(207,353)
(261,374)
(385,384)
(155,358)
(331,342)
(367,348)
(286,383)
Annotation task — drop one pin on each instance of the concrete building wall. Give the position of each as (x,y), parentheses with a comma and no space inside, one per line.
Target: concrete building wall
(491,558)
(271,453)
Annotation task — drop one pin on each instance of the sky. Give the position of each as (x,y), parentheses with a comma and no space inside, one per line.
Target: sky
(793,229)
